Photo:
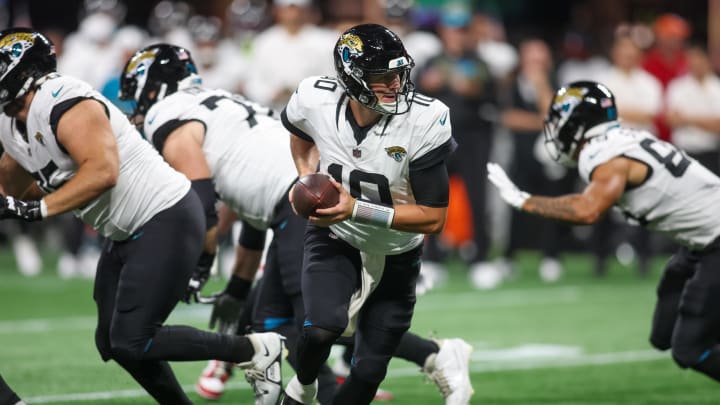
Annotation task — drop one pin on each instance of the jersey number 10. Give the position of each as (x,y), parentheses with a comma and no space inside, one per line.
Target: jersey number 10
(357,176)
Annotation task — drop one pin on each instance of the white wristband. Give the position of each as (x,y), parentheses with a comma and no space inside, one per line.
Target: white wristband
(369,213)
(43,209)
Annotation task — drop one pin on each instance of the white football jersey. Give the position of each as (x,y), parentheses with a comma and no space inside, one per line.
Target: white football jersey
(247,150)
(680,197)
(145,186)
(378,167)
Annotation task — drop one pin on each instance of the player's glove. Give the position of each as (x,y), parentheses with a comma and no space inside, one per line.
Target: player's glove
(199,277)
(229,305)
(12,208)
(508,190)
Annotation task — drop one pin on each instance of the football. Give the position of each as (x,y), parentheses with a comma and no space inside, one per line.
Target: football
(313,191)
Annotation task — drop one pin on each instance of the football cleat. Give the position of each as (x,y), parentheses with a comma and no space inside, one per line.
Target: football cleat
(211,383)
(449,370)
(264,370)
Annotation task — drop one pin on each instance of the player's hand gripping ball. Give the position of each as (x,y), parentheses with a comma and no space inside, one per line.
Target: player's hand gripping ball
(313,191)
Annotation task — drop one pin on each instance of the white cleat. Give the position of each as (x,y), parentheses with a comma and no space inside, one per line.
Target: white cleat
(264,370)
(211,383)
(449,370)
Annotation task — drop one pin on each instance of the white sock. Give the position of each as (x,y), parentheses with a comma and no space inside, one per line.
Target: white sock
(302,393)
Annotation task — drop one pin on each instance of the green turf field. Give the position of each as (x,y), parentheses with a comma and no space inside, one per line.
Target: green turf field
(580,341)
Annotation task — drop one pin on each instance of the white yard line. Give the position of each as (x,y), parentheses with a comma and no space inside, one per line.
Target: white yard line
(546,357)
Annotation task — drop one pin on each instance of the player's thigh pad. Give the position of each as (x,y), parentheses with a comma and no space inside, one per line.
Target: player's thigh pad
(289,235)
(272,307)
(330,275)
(678,270)
(391,305)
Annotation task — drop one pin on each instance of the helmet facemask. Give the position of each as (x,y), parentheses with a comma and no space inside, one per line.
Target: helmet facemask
(562,137)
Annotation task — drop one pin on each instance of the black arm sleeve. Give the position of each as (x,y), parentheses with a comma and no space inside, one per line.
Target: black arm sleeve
(431,185)
(251,237)
(205,189)
(435,156)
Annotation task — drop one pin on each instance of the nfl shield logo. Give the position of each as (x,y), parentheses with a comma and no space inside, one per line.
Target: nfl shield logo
(357,153)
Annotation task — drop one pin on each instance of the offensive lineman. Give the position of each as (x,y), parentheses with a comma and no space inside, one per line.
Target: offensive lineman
(368,130)
(655,185)
(68,148)
(214,135)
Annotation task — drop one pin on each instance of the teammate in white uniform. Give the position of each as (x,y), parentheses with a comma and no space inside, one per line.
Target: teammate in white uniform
(655,185)
(247,153)
(68,148)
(386,147)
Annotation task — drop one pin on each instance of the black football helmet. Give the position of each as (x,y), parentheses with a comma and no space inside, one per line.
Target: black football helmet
(371,49)
(25,56)
(575,109)
(155,72)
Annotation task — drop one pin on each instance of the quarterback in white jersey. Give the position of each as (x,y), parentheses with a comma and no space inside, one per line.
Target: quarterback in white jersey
(655,185)
(377,167)
(68,148)
(385,147)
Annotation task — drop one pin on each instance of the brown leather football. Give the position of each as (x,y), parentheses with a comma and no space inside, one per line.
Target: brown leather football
(314,191)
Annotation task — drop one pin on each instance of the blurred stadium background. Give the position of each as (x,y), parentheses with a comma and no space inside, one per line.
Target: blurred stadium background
(557,315)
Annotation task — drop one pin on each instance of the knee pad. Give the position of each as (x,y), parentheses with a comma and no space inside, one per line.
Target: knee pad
(688,357)
(125,348)
(678,270)
(315,336)
(371,370)
(690,338)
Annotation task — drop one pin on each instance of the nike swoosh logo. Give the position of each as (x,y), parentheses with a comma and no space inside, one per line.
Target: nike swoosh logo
(150,120)
(443,119)
(56,92)
(267,352)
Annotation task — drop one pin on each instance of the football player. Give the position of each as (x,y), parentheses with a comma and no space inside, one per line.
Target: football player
(67,148)
(655,185)
(242,153)
(386,147)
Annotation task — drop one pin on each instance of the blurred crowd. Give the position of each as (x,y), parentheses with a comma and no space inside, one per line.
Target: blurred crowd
(498,89)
